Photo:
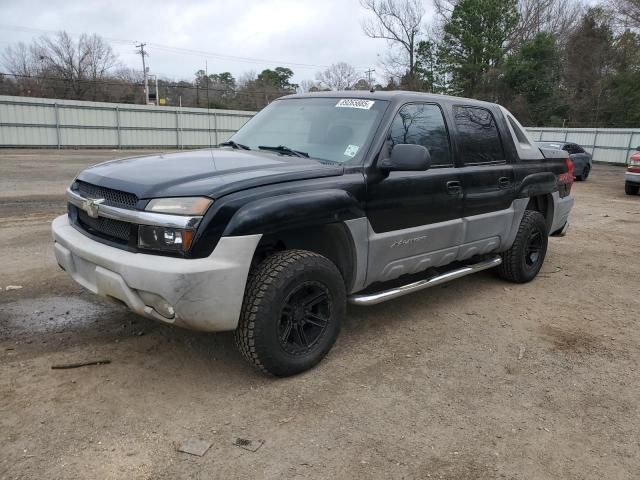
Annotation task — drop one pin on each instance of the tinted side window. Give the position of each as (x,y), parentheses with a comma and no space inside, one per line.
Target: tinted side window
(422,124)
(478,135)
(571,148)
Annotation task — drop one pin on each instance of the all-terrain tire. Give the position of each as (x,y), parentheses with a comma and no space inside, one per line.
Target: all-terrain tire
(276,299)
(522,262)
(631,188)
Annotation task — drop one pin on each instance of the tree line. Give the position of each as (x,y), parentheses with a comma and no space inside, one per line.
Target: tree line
(551,62)
(87,68)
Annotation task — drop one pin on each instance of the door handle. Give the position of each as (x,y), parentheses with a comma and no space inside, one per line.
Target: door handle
(453,187)
(504,182)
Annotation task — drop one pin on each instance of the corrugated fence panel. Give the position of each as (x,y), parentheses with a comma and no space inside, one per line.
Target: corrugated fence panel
(608,145)
(43,122)
(581,138)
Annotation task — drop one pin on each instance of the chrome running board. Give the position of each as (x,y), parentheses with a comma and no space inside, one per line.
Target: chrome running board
(383,296)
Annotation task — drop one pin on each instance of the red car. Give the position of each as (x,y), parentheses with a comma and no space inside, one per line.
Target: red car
(632,175)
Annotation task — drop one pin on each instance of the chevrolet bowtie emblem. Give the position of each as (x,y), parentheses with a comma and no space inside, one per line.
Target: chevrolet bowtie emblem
(92,206)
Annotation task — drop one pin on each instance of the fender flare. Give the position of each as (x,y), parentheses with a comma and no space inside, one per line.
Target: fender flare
(537,184)
(294,210)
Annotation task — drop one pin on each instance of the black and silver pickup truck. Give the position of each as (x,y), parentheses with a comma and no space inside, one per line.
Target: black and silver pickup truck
(318,201)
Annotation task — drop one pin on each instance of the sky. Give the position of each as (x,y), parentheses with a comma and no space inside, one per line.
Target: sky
(236,36)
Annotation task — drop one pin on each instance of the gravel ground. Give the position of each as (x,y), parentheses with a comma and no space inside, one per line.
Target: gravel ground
(477,379)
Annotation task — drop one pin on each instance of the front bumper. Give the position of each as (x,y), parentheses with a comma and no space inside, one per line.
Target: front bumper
(201,294)
(632,177)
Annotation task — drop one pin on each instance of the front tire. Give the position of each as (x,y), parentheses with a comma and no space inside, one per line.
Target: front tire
(522,262)
(631,188)
(292,312)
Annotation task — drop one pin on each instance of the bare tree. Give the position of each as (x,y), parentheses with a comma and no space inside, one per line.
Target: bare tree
(22,63)
(77,63)
(18,59)
(306,86)
(99,56)
(444,8)
(400,23)
(628,11)
(339,76)
(553,16)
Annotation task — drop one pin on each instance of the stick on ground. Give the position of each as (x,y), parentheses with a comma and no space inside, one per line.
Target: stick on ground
(64,366)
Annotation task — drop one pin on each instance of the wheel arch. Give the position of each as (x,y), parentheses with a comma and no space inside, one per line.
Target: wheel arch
(544,204)
(331,240)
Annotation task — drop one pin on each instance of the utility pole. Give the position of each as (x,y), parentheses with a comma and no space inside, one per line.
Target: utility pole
(369,72)
(144,70)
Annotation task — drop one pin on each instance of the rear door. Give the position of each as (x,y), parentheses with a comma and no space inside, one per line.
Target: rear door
(415,217)
(487,180)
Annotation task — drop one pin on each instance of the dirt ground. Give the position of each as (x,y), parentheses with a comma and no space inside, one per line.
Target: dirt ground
(477,379)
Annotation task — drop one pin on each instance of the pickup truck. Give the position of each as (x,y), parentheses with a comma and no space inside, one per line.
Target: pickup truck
(632,175)
(320,200)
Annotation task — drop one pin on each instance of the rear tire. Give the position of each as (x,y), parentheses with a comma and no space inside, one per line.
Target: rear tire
(522,262)
(585,174)
(631,188)
(292,312)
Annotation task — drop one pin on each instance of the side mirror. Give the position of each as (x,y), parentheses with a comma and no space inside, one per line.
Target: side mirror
(638,149)
(407,158)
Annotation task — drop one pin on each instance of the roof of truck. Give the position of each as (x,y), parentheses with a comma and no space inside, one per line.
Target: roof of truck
(392,95)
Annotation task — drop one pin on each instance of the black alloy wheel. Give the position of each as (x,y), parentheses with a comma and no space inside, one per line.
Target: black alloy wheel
(304,317)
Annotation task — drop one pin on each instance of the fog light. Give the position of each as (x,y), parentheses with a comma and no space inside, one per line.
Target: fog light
(158,303)
(166,239)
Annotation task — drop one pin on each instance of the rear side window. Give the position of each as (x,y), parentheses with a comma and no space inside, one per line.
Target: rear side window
(478,135)
(422,124)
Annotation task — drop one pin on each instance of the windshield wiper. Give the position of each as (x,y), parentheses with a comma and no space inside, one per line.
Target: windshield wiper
(285,150)
(231,143)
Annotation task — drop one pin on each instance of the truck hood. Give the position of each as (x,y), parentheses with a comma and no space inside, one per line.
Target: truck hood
(212,172)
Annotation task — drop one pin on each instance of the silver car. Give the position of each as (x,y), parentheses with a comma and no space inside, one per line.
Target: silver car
(581,159)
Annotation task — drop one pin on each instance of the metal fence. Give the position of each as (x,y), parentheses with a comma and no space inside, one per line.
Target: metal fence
(43,122)
(607,145)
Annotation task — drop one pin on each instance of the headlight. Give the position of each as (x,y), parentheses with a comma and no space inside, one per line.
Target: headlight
(180,205)
(165,239)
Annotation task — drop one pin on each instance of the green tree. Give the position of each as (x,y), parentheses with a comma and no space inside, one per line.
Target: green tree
(279,78)
(473,44)
(590,53)
(621,107)
(533,76)
(429,74)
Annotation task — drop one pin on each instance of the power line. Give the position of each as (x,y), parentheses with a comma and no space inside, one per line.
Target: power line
(182,50)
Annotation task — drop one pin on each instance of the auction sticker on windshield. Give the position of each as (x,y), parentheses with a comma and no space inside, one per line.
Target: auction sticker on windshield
(355,103)
(351,150)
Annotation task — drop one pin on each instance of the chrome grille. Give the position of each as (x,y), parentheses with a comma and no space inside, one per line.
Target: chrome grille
(105,227)
(114,198)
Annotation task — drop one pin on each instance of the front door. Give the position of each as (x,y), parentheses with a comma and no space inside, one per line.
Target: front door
(415,217)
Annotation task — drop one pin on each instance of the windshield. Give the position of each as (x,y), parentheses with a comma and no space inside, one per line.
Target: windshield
(331,129)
